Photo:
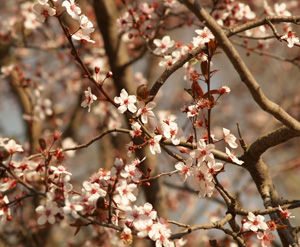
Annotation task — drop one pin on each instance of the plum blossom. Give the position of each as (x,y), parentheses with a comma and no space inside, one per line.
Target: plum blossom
(136,130)
(285,213)
(280,9)
(214,167)
(204,36)
(233,158)
(145,111)
(126,102)
(47,212)
(12,147)
(162,45)
(255,223)
(5,212)
(154,144)
(132,172)
(291,39)
(126,236)
(160,233)
(266,238)
(93,191)
(184,169)
(203,180)
(86,25)
(72,206)
(229,138)
(203,151)
(89,99)
(81,36)
(72,9)
(126,193)
(43,10)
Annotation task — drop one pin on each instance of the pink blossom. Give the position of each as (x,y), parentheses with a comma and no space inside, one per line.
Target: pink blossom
(72,9)
(291,38)
(126,102)
(47,213)
(185,169)
(229,138)
(42,11)
(233,158)
(89,99)
(255,223)
(154,144)
(163,45)
(145,111)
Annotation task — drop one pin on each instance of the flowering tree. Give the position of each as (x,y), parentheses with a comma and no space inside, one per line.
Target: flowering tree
(162,166)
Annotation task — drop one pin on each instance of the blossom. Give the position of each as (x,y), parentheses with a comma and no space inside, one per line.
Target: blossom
(280,9)
(72,9)
(47,213)
(126,236)
(255,223)
(93,191)
(285,213)
(203,151)
(224,90)
(291,39)
(136,130)
(185,169)
(154,144)
(204,36)
(132,172)
(12,147)
(229,138)
(72,206)
(202,180)
(89,99)
(126,102)
(266,237)
(214,166)
(126,193)
(163,45)
(5,212)
(167,62)
(86,25)
(145,111)
(80,35)
(233,158)
(42,11)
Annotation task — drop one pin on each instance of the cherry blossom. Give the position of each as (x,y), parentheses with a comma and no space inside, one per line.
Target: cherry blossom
(12,147)
(163,45)
(47,213)
(126,102)
(204,36)
(266,238)
(285,213)
(86,25)
(136,129)
(145,111)
(202,180)
(280,9)
(72,206)
(5,212)
(79,35)
(233,158)
(154,144)
(89,99)
(291,38)
(255,223)
(126,193)
(72,9)
(229,138)
(42,11)
(185,169)
(203,151)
